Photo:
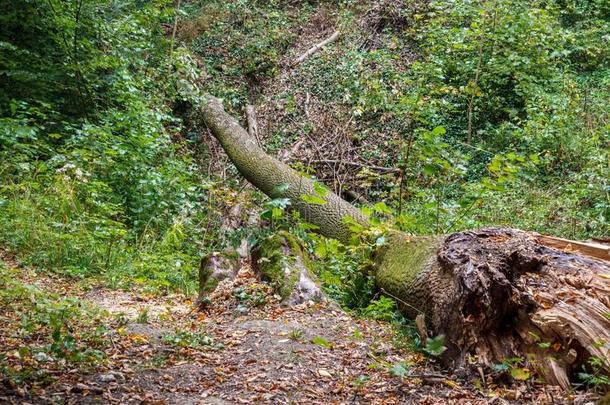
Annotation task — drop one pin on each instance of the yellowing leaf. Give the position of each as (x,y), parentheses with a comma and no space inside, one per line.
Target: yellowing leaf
(520,374)
(136,338)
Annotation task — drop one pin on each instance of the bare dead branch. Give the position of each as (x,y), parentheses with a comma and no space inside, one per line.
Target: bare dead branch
(314,49)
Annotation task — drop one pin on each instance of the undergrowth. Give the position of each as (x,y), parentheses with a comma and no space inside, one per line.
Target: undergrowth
(43,328)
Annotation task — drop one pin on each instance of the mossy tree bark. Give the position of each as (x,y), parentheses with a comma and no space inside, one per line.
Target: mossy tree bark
(494,293)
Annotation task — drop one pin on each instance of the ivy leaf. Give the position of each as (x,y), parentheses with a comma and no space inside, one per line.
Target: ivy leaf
(435,346)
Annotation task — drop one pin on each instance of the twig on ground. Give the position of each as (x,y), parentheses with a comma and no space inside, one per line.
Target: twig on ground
(314,49)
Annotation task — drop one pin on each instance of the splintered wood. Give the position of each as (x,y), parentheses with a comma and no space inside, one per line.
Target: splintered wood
(593,249)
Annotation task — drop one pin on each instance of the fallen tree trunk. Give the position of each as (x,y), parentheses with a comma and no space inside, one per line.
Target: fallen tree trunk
(493,293)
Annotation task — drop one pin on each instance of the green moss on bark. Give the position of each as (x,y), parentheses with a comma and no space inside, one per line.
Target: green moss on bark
(267,173)
(276,260)
(401,263)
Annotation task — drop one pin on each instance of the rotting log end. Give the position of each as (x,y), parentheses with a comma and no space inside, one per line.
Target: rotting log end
(498,294)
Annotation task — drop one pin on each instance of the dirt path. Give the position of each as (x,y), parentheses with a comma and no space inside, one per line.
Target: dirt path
(258,351)
(246,348)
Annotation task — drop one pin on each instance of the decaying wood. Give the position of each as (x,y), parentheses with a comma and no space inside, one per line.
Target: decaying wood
(493,293)
(500,293)
(302,58)
(593,249)
(420,323)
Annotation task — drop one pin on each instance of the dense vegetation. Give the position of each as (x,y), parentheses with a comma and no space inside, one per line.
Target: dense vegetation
(496,112)
(96,177)
(493,112)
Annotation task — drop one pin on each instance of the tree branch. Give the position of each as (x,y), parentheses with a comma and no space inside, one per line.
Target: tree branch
(314,49)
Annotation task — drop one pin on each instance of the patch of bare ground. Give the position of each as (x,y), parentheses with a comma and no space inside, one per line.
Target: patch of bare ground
(245,350)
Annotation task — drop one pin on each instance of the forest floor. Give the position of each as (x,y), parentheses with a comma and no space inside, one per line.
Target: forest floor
(244,347)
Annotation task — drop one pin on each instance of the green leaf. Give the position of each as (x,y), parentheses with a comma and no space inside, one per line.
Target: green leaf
(521,374)
(367,211)
(429,170)
(320,250)
(399,370)
(320,189)
(306,226)
(320,341)
(435,346)
(313,199)
(382,208)
(438,131)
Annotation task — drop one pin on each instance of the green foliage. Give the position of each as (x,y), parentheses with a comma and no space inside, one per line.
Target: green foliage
(382,309)
(296,334)
(95,180)
(320,341)
(340,271)
(502,77)
(595,374)
(399,370)
(242,40)
(142,317)
(498,119)
(435,346)
(192,340)
(53,328)
(250,296)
